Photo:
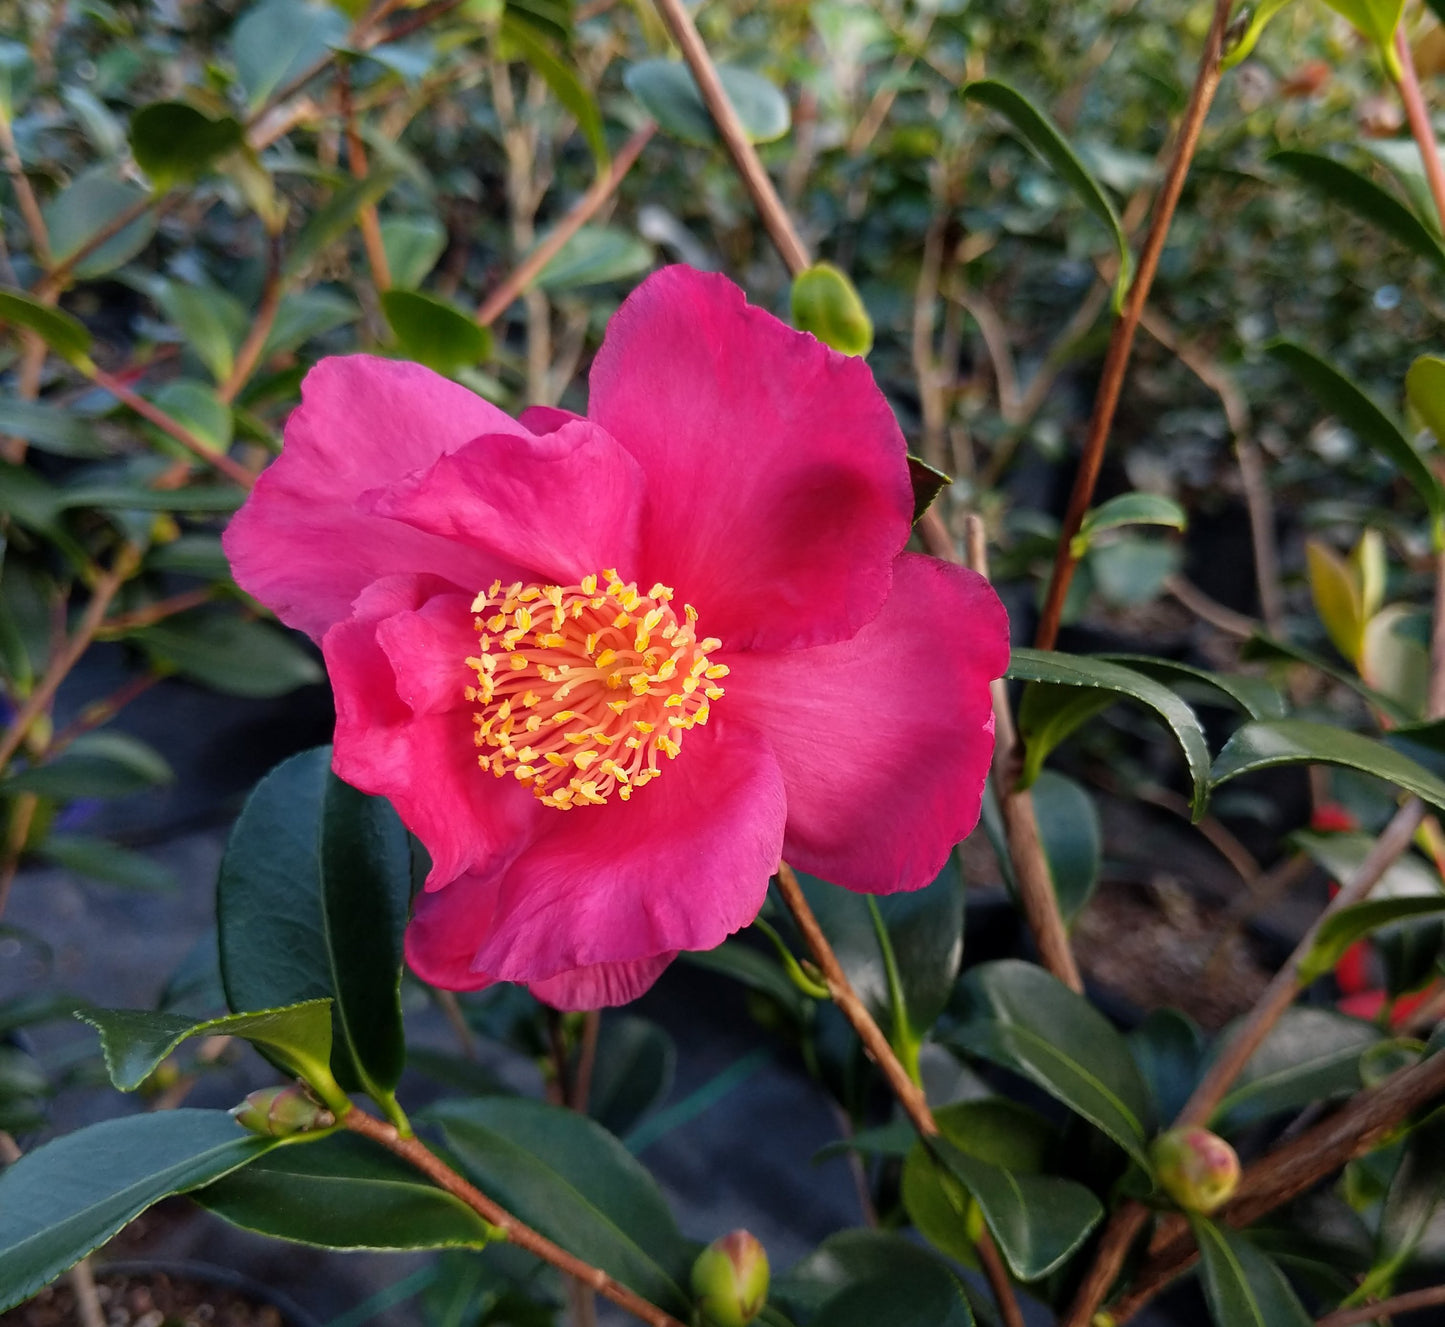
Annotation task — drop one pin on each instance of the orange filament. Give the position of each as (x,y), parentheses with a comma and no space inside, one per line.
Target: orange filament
(582,688)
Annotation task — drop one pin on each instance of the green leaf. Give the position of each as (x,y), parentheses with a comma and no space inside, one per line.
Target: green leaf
(1337,598)
(561,78)
(1243,1287)
(51,428)
(1263,744)
(65,335)
(412,245)
(827,304)
(1258,17)
(135,1041)
(278,40)
(1261,648)
(1348,187)
(230,654)
(1019,1016)
(69,1196)
(17,72)
(103,764)
(633,1071)
(1377,19)
(1128,509)
(594,256)
(1343,399)
(1043,135)
(305,314)
(900,1297)
(1258,698)
(669,94)
(311,901)
(927,483)
(1341,929)
(197,406)
(570,1179)
(1038,1220)
(343,1192)
(329,223)
(1169,1050)
(853,1258)
(195,497)
(1073,670)
(1072,839)
(1414,1196)
(192,555)
(89,204)
(434,333)
(1425,390)
(108,862)
(175,143)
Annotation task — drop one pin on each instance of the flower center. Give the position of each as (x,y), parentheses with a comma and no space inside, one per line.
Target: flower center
(582,688)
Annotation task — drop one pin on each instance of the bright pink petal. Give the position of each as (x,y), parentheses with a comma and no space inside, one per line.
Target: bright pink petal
(777,489)
(563,505)
(602,985)
(884,739)
(682,865)
(392,665)
(546,418)
(302,544)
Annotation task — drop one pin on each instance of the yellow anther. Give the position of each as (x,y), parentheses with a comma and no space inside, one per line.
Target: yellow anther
(605,658)
(718,670)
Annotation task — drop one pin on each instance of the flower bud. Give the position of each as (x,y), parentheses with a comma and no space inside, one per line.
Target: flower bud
(281,1111)
(1198,1169)
(827,304)
(730,1280)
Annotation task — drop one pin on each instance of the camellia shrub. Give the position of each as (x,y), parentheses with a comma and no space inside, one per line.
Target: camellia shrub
(641,417)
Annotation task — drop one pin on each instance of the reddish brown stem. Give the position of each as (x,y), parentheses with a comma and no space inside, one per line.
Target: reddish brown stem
(1121,340)
(249,354)
(1418,114)
(367,219)
(101,711)
(1406,1303)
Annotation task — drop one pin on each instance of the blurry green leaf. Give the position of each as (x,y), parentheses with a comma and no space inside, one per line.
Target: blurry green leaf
(593,256)
(927,483)
(633,1071)
(17,71)
(1414,1196)
(826,303)
(1073,842)
(1128,509)
(175,143)
(1257,697)
(412,245)
(1336,595)
(330,222)
(1257,18)
(1243,1287)
(1169,1050)
(669,94)
(1341,929)
(1043,135)
(1072,670)
(344,1192)
(28,499)
(135,1041)
(1425,388)
(853,1259)
(1377,19)
(194,497)
(561,78)
(199,409)
(1047,715)
(85,207)
(70,1195)
(276,41)
(1261,745)
(1394,661)
(1370,564)
(192,555)
(51,428)
(434,333)
(1131,570)
(212,321)
(65,335)
(1343,399)
(305,314)
(107,862)
(97,119)
(1261,648)
(900,1297)
(103,764)
(231,654)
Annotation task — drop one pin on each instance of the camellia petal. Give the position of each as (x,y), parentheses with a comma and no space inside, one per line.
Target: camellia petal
(777,487)
(884,739)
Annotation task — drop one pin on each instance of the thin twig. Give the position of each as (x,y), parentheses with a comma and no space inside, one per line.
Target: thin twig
(581,1085)
(415,1152)
(156,612)
(24,194)
(87,1302)
(1206,609)
(1418,114)
(755,178)
(101,711)
(1406,1303)
(366,218)
(249,354)
(1121,340)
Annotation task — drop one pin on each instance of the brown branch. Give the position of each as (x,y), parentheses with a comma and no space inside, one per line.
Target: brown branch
(249,354)
(581,212)
(156,612)
(910,1095)
(1410,1300)
(755,178)
(366,219)
(1218,615)
(414,1151)
(24,194)
(1121,340)
(1418,115)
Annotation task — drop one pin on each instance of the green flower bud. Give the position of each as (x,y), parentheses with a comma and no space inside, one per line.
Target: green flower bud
(730,1280)
(282,1111)
(1198,1169)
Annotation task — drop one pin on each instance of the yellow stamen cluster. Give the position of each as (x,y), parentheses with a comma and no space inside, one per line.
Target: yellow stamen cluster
(582,688)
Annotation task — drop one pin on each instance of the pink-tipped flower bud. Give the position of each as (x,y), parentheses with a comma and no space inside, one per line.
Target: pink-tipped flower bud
(730,1280)
(281,1111)
(1198,1169)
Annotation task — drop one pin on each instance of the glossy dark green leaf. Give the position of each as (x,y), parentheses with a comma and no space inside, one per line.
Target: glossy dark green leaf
(69,1196)
(103,764)
(667,91)
(228,653)
(311,902)
(848,1259)
(1413,1198)
(1243,1287)
(174,143)
(633,1071)
(900,1298)
(1044,136)
(88,205)
(573,1181)
(1073,670)
(64,334)
(278,40)
(927,483)
(343,1192)
(594,256)
(327,225)
(1349,404)
(1340,930)
(434,333)
(1021,1017)
(827,304)
(1128,509)
(1257,697)
(51,428)
(135,1041)
(1072,839)
(1262,745)
(97,859)
(1168,1047)
(560,77)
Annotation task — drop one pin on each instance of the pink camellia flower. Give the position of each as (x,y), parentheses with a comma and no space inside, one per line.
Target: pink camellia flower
(611,670)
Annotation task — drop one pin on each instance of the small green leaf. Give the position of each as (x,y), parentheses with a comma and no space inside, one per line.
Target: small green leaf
(826,303)
(434,333)
(88,205)
(669,94)
(327,225)
(1343,399)
(175,143)
(1243,1287)
(1341,929)
(278,40)
(298,1036)
(1043,135)
(927,483)
(857,1258)
(98,859)
(1338,601)
(305,314)
(1128,509)
(594,256)
(234,655)
(103,764)
(1377,20)
(1413,1198)
(560,77)
(51,428)
(1261,745)
(1257,18)
(1168,1047)
(199,409)
(1425,390)
(1072,839)
(69,1196)
(195,497)
(413,245)
(212,321)
(65,335)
